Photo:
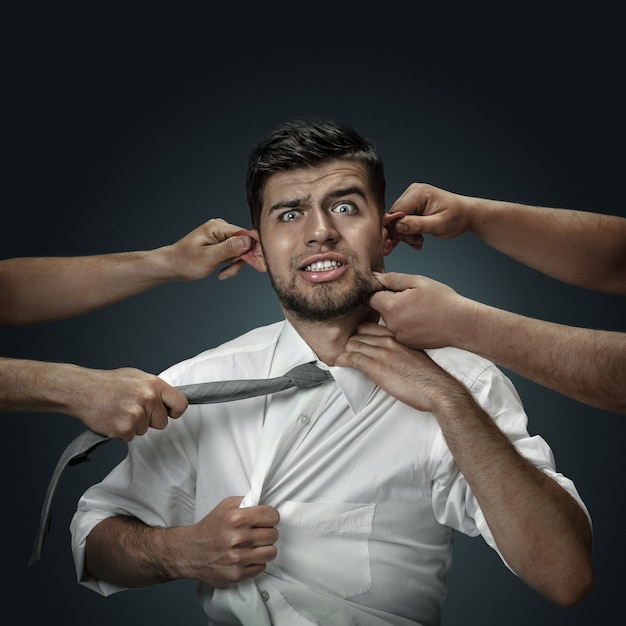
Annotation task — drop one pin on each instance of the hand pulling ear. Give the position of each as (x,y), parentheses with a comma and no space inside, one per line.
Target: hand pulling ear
(254,257)
(391,237)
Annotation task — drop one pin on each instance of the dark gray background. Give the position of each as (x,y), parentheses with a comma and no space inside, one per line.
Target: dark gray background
(128,126)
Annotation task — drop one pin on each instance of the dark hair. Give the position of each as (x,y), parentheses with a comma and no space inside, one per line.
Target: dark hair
(308,143)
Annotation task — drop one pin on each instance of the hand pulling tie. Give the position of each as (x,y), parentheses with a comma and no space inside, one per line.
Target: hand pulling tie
(82,448)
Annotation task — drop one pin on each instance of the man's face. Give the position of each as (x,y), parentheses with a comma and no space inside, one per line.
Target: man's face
(322,235)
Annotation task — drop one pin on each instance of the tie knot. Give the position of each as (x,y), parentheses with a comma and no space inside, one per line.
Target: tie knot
(307,375)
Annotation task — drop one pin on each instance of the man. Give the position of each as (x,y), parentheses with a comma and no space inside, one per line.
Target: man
(118,403)
(580,248)
(336,504)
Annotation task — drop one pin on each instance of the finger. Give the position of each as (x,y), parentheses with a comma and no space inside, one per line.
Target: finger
(217,230)
(232,248)
(375,330)
(414,241)
(230,502)
(411,225)
(356,359)
(230,270)
(260,556)
(250,255)
(392,237)
(408,202)
(141,426)
(159,419)
(264,516)
(395,281)
(263,537)
(124,436)
(175,401)
(359,343)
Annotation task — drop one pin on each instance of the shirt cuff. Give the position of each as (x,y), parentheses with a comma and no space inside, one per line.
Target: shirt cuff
(83,522)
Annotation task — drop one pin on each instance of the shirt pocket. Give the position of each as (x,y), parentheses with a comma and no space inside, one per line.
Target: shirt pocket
(324,545)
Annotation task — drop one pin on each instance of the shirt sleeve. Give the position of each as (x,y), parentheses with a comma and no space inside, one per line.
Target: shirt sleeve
(140,486)
(454,504)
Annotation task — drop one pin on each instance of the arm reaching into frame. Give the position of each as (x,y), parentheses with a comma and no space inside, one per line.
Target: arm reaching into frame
(576,247)
(35,290)
(548,543)
(585,364)
(119,403)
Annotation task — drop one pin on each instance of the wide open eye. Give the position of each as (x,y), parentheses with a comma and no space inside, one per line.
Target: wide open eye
(289,216)
(344,208)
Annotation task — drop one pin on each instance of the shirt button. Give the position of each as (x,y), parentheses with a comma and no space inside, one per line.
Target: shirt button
(265,596)
(304,420)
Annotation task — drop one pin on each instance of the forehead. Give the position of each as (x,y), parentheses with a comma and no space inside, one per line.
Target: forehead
(313,183)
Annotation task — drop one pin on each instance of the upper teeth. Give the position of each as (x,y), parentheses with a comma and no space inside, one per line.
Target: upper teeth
(321,265)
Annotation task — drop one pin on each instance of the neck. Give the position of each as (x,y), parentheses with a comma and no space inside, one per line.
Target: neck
(328,338)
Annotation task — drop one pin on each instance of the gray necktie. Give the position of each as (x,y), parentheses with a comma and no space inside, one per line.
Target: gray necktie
(83,447)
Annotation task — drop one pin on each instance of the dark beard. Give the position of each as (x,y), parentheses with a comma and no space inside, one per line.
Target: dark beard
(327,305)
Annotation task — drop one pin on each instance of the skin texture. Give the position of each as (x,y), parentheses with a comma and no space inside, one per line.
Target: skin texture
(583,249)
(580,248)
(585,364)
(118,403)
(35,290)
(327,213)
(540,530)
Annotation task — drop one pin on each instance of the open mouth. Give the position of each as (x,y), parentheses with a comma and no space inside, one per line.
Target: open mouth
(321,266)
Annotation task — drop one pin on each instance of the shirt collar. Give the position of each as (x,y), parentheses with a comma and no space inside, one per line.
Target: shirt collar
(292,350)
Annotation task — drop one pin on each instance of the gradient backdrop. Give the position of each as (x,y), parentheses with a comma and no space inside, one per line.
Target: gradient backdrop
(128,126)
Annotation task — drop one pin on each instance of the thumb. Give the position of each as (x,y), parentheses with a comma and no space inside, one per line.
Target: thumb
(410,225)
(433,224)
(230,249)
(237,244)
(394,281)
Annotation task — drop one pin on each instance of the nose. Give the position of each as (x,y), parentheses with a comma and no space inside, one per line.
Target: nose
(320,228)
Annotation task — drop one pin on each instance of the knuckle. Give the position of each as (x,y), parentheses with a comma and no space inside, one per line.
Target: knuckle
(136,413)
(354,359)
(236,517)
(388,343)
(236,558)
(236,540)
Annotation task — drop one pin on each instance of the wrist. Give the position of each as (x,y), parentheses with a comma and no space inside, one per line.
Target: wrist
(481,214)
(42,386)
(463,321)
(163,264)
(449,399)
(169,549)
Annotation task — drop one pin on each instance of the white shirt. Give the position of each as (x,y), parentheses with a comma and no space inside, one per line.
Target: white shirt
(368,493)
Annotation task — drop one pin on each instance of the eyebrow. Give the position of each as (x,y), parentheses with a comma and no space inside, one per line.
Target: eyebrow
(348,191)
(298,202)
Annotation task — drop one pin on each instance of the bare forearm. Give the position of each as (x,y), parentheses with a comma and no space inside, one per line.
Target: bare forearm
(124,551)
(228,545)
(581,248)
(585,364)
(35,386)
(34,290)
(118,403)
(540,530)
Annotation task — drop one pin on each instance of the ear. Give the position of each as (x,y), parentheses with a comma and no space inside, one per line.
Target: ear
(254,257)
(390,237)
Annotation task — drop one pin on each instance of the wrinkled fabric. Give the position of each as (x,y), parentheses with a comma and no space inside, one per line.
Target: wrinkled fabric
(368,492)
